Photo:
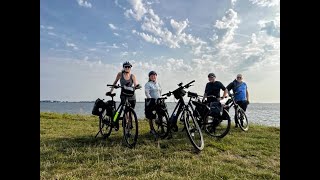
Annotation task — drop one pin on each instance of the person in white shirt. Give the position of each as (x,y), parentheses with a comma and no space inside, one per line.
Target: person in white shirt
(153,92)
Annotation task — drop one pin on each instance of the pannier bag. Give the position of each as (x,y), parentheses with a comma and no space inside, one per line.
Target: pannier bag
(97,107)
(215,109)
(149,108)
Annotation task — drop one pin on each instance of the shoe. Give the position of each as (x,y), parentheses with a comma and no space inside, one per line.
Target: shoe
(236,126)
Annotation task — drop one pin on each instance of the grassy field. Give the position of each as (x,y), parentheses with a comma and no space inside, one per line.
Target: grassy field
(69,150)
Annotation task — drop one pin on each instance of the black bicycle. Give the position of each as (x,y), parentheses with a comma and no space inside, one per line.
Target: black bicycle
(110,117)
(240,116)
(183,111)
(213,118)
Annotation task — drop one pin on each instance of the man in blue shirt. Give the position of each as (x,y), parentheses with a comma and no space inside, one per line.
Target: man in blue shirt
(240,90)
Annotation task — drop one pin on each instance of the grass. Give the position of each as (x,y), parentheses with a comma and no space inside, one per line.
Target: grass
(69,150)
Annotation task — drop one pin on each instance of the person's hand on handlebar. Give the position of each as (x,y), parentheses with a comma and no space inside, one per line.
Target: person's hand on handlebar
(138,86)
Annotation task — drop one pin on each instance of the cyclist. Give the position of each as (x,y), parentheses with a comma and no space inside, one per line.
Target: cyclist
(152,90)
(240,90)
(126,79)
(213,87)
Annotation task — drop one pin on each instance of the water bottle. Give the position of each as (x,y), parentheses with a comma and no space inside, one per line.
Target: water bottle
(115,121)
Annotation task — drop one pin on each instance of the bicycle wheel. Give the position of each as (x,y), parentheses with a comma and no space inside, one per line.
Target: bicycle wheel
(105,124)
(193,130)
(218,127)
(242,119)
(130,127)
(160,125)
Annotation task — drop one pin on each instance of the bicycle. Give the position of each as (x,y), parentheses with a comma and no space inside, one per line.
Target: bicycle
(161,117)
(216,124)
(190,124)
(240,114)
(125,113)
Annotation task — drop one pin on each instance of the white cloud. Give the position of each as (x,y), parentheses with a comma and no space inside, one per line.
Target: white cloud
(113,46)
(100,43)
(72,45)
(50,27)
(113,26)
(228,25)
(116,34)
(272,28)
(125,45)
(179,26)
(233,2)
(52,34)
(42,26)
(117,4)
(84,3)
(138,9)
(160,35)
(147,37)
(266,3)
(92,49)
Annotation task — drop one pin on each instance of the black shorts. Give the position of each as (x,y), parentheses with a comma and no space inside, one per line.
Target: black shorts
(243,104)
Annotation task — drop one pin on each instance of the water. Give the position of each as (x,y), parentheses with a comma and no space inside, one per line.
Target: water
(258,113)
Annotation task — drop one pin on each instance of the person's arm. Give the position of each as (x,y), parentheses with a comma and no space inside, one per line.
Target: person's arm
(225,91)
(160,90)
(205,93)
(135,82)
(115,81)
(247,95)
(230,86)
(147,90)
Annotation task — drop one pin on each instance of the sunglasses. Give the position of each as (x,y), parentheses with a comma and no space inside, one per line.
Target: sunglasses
(127,66)
(239,77)
(210,76)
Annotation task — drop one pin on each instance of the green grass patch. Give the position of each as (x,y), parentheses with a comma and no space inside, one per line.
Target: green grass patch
(69,150)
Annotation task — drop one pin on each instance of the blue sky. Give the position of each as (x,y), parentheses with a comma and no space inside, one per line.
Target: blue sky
(84,43)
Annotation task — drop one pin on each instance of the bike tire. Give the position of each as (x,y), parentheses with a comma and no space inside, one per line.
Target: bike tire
(242,119)
(130,130)
(218,127)
(161,126)
(193,130)
(105,125)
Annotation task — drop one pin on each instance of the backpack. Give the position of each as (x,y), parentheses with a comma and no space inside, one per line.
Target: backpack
(215,109)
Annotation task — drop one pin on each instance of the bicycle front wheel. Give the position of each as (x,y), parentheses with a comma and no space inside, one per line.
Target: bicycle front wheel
(193,130)
(242,119)
(130,127)
(105,124)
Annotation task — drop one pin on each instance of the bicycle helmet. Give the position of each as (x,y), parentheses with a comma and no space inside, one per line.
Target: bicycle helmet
(211,75)
(152,73)
(126,64)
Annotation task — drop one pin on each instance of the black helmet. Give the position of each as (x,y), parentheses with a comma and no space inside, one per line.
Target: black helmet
(211,75)
(126,64)
(152,73)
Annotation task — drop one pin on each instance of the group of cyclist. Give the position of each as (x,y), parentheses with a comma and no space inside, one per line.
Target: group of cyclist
(211,93)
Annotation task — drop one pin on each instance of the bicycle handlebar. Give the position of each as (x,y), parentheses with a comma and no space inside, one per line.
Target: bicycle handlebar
(180,87)
(122,86)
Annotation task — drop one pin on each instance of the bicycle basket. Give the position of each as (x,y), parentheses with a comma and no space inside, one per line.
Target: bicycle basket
(127,91)
(179,93)
(97,107)
(110,105)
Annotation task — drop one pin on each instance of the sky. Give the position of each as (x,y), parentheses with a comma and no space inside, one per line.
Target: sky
(84,43)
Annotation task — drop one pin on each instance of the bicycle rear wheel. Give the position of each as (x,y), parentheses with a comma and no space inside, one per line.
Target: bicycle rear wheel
(242,119)
(160,125)
(193,130)
(105,124)
(130,127)
(218,126)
